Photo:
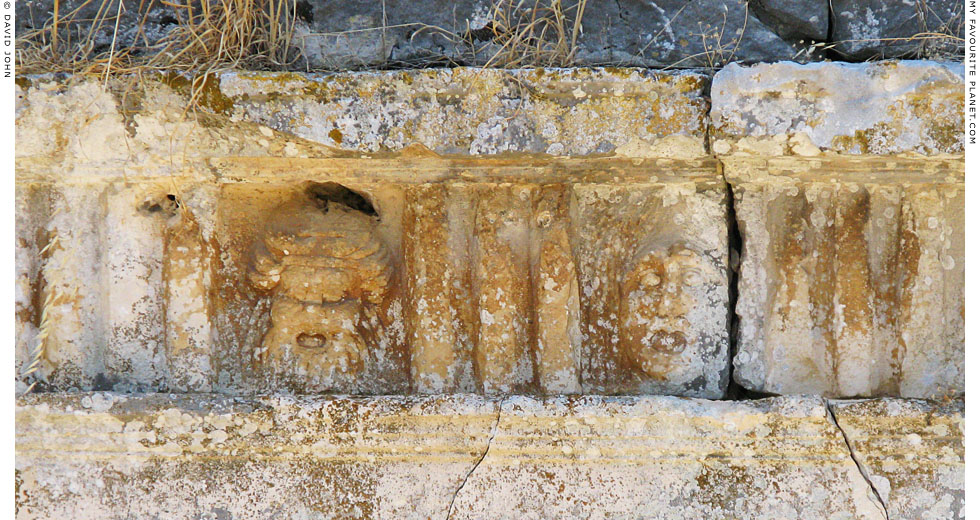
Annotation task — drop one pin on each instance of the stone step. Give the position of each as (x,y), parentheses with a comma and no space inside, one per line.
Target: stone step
(105,455)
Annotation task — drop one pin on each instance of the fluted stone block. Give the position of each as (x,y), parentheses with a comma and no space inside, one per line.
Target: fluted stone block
(852,268)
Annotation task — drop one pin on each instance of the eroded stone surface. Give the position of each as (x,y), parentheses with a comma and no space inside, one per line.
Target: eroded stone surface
(912,452)
(108,454)
(515,285)
(482,111)
(851,277)
(876,108)
(665,458)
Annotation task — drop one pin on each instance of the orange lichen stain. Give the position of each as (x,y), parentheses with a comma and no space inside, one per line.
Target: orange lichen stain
(336,135)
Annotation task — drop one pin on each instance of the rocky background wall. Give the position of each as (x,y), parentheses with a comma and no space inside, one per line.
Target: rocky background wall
(672,289)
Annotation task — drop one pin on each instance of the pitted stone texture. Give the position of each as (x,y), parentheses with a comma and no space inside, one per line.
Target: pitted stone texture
(75,129)
(117,277)
(104,455)
(868,108)
(851,276)
(482,111)
(883,28)
(665,458)
(913,453)
(109,456)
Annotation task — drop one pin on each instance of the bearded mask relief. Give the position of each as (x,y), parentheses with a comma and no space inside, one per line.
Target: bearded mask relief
(661,291)
(327,272)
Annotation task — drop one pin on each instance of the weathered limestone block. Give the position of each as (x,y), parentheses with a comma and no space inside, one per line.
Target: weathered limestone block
(851,108)
(653,263)
(433,322)
(308,294)
(502,287)
(852,285)
(79,130)
(106,455)
(61,318)
(112,456)
(851,275)
(558,342)
(653,457)
(911,451)
(117,277)
(481,111)
(188,263)
(115,227)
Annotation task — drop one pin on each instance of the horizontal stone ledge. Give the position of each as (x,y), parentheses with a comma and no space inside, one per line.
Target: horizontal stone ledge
(80,125)
(398,168)
(912,452)
(466,456)
(482,111)
(869,108)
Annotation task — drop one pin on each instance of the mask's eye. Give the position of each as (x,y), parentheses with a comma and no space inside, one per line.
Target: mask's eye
(692,278)
(651,280)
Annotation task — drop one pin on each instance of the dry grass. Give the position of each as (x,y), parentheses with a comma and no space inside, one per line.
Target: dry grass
(214,35)
(208,36)
(259,34)
(542,34)
(717,52)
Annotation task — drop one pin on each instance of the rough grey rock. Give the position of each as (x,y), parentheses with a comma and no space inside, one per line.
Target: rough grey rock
(77,15)
(667,32)
(369,34)
(676,32)
(366,33)
(868,28)
(794,18)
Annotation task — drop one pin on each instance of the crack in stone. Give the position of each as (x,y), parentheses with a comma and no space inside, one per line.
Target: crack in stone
(493,433)
(850,450)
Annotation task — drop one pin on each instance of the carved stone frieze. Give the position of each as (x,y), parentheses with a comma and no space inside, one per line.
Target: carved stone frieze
(585,276)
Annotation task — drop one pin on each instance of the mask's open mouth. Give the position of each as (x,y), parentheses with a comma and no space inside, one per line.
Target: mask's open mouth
(311,341)
(673,342)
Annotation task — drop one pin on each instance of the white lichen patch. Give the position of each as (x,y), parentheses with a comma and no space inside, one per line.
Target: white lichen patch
(867,108)
(482,111)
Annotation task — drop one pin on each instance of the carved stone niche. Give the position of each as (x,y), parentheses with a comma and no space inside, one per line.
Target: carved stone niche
(327,272)
(320,282)
(588,281)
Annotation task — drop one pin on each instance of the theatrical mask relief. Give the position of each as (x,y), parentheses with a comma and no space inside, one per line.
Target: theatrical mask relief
(374,288)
